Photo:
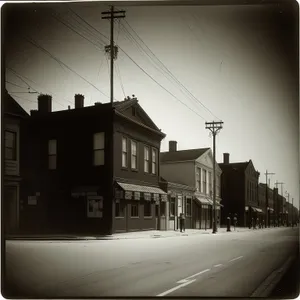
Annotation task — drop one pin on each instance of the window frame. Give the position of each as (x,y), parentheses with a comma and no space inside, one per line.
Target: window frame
(188,206)
(122,207)
(52,155)
(125,152)
(147,161)
(148,204)
(138,213)
(204,182)
(154,151)
(136,155)
(172,201)
(14,148)
(96,150)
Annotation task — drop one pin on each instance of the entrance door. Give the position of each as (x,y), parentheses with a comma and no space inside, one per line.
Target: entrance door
(11,209)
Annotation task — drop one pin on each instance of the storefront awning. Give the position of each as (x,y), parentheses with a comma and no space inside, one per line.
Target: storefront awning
(259,210)
(147,191)
(203,201)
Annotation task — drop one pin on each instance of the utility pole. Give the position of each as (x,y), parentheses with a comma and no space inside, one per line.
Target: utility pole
(113,51)
(292,212)
(279,212)
(267,199)
(214,127)
(288,206)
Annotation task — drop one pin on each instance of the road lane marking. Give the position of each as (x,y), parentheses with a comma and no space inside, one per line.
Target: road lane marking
(175,288)
(192,276)
(236,258)
(219,265)
(183,281)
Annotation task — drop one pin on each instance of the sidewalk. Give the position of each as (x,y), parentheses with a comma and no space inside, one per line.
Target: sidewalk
(130,235)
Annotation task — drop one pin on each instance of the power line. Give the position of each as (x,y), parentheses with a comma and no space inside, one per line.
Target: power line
(58,60)
(146,72)
(20,76)
(170,73)
(17,85)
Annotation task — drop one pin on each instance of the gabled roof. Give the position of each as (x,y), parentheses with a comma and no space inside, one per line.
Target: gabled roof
(12,107)
(182,155)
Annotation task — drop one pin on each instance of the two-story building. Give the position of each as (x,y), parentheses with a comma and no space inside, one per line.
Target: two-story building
(193,168)
(95,169)
(239,192)
(14,128)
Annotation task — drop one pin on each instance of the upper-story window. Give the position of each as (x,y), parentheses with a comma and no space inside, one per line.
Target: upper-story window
(99,149)
(124,153)
(134,155)
(198,179)
(210,184)
(204,182)
(10,145)
(146,159)
(52,154)
(154,160)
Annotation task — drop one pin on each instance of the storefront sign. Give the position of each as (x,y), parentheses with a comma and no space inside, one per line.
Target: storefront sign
(147,196)
(137,195)
(128,195)
(32,200)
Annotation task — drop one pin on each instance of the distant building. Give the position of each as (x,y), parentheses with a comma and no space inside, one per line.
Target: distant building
(239,192)
(95,169)
(14,130)
(269,208)
(192,168)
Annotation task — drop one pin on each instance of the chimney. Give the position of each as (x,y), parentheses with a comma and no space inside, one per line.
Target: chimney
(79,99)
(97,103)
(226,158)
(172,146)
(44,103)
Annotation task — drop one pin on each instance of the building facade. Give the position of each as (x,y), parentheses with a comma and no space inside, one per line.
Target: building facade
(93,169)
(240,193)
(14,131)
(180,200)
(194,168)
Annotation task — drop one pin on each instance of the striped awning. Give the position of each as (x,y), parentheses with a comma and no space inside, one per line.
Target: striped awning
(134,191)
(203,201)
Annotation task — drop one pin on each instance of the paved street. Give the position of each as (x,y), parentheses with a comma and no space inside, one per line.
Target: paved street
(233,264)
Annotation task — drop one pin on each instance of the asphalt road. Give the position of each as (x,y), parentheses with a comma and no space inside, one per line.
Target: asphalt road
(223,265)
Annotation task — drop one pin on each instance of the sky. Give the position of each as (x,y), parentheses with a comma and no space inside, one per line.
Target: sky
(185,64)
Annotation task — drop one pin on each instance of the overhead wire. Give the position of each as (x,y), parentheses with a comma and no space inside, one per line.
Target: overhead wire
(120,78)
(146,73)
(22,87)
(169,72)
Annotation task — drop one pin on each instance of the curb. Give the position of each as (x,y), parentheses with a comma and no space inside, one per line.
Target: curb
(270,283)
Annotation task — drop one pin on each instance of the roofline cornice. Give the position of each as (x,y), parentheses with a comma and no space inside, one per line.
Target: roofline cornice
(139,124)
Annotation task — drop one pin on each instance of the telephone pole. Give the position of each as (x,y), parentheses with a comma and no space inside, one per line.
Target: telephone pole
(267,199)
(288,206)
(281,210)
(112,49)
(214,127)
(277,204)
(292,212)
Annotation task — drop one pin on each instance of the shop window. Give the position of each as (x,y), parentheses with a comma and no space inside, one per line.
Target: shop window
(99,149)
(172,207)
(135,210)
(10,145)
(147,209)
(120,209)
(95,207)
(189,207)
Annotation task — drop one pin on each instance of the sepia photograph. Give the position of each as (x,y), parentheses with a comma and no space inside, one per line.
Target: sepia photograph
(150,149)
